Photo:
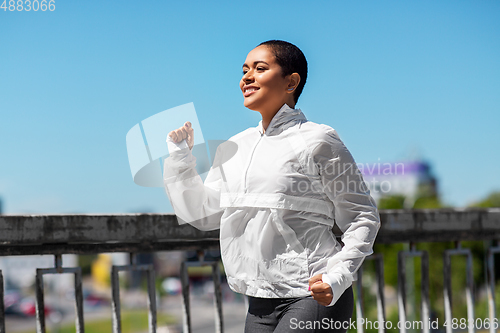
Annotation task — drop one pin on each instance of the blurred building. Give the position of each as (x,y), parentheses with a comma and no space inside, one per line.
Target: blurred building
(411,179)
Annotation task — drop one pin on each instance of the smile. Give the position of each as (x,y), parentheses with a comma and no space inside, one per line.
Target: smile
(249,91)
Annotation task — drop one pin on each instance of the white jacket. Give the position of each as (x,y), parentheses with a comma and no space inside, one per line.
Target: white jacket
(275,197)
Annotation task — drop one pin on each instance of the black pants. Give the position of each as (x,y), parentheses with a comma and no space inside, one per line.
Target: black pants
(302,315)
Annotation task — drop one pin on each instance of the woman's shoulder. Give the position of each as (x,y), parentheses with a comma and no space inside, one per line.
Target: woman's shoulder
(324,142)
(317,133)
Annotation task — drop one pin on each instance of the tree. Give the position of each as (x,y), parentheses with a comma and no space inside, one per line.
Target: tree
(491,201)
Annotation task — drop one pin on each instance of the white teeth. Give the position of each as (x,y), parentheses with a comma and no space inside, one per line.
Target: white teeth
(250,89)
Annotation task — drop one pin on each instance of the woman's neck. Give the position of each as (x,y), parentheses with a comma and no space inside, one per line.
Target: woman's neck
(267,117)
(266,120)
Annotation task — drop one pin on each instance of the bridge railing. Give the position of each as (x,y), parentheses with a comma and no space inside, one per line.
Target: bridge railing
(138,233)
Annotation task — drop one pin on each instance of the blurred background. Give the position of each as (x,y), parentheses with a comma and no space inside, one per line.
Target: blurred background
(399,81)
(412,88)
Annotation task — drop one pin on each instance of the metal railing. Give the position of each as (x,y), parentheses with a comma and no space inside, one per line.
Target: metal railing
(138,233)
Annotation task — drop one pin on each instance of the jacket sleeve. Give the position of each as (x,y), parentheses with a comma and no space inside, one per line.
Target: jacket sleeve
(356,213)
(194,201)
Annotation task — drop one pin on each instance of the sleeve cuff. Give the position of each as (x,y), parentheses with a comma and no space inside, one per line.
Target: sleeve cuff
(180,159)
(338,283)
(176,146)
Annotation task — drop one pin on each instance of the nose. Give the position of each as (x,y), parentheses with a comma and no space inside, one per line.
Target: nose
(247,77)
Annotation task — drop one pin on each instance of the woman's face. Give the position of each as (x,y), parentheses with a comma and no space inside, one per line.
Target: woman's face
(263,86)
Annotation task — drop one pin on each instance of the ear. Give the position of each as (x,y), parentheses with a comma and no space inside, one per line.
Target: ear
(293,83)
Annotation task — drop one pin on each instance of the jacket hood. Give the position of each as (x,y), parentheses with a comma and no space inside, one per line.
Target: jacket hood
(283,119)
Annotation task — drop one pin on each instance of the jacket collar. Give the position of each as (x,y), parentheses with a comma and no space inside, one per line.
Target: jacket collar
(283,119)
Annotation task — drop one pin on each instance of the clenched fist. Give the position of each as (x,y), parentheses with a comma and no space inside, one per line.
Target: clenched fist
(185,132)
(320,291)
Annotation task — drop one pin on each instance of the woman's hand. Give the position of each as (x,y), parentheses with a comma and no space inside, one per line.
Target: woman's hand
(184,132)
(320,291)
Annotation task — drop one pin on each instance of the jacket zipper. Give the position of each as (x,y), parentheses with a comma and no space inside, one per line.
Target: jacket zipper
(250,162)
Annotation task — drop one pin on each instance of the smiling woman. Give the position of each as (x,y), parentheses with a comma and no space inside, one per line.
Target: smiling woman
(266,84)
(275,199)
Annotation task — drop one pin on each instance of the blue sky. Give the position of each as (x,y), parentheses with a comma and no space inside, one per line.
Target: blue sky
(396,79)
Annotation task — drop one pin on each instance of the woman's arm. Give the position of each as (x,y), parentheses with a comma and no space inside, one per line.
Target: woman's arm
(355,211)
(194,202)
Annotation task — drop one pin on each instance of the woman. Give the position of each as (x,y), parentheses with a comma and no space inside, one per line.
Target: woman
(275,191)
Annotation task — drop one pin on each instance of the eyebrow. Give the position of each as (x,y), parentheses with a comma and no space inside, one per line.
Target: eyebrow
(255,63)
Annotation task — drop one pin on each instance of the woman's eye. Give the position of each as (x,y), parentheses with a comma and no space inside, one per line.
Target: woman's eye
(260,68)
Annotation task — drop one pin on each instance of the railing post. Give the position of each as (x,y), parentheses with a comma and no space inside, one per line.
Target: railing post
(360,311)
(491,285)
(402,290)
(2,306)
(40,307)
(115,287)
(115,300)
(424,287)
(469,288)
(186,318)
(379,272)
(379,269)
(40,304)
(424,294)
(219,323)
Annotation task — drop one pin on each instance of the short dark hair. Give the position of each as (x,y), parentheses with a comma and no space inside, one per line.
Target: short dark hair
(291,60)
